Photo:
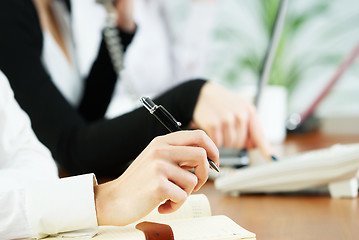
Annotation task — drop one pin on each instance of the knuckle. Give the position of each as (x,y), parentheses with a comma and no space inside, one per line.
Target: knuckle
(202,157)
(202,179)
(200,132)
(211,129)
(194,180)
(205,178)
(212,126)
(159,167)
(229,120)
(183,197)
(242,117)
(159,152)
(160,187)
(204,172)
(202,153)
(216,152)
(241,114)
(201,135)
(157,140)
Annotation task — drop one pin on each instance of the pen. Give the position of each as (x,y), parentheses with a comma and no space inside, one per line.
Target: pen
(167,120)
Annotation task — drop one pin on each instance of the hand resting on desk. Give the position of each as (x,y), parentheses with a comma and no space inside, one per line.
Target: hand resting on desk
(229,120)
(160,173)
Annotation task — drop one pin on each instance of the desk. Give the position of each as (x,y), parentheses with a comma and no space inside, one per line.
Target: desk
(291,217)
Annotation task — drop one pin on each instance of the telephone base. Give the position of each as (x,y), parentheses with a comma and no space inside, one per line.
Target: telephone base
(234,193)
(332,169)
(341,189)
(344,189)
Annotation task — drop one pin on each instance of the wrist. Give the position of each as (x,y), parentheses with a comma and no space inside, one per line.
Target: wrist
(108,204)
(98,204)
(127,26)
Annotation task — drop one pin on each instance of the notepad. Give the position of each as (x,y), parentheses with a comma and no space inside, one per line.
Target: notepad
(193,221)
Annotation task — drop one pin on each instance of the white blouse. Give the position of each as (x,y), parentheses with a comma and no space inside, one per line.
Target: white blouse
(64,72)
(167,49)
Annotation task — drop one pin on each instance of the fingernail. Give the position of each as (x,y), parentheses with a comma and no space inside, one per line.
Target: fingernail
(274,158)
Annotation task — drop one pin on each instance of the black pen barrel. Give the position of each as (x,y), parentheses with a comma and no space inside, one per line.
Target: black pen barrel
(166,119)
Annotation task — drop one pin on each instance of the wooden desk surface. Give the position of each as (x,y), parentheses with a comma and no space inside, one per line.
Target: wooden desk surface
(287,217)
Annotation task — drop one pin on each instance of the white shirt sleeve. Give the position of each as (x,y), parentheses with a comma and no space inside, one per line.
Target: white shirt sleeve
(34,202)
(64,206)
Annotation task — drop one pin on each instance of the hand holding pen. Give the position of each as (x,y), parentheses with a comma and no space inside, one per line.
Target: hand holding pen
(167,120)
(159,176)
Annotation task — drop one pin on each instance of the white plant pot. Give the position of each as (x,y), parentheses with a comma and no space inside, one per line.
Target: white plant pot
(272,110)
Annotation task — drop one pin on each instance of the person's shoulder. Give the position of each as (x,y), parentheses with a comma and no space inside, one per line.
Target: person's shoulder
(19,18)
(17,8)
(16,3)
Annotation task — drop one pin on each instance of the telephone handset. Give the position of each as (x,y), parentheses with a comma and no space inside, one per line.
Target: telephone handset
(111,35)
(114,45)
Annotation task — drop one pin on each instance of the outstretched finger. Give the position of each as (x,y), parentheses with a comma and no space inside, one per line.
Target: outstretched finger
(258,137)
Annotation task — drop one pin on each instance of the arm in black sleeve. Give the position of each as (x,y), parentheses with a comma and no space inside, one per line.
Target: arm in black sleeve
(101,81)
(103,147)
(53,118)
(109,145)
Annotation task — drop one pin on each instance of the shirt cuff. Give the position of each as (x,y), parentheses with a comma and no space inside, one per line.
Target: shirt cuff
(63,207)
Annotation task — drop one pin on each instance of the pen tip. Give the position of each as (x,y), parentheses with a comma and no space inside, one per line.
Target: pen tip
(213,165)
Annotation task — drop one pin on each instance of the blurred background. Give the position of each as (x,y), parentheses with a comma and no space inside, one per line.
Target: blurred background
(225,41)
(317,36)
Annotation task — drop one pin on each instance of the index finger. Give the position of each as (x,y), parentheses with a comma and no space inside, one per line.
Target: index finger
(197,138)
(258,137)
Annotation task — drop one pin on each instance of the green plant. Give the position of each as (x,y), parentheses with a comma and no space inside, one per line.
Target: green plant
(241,56)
